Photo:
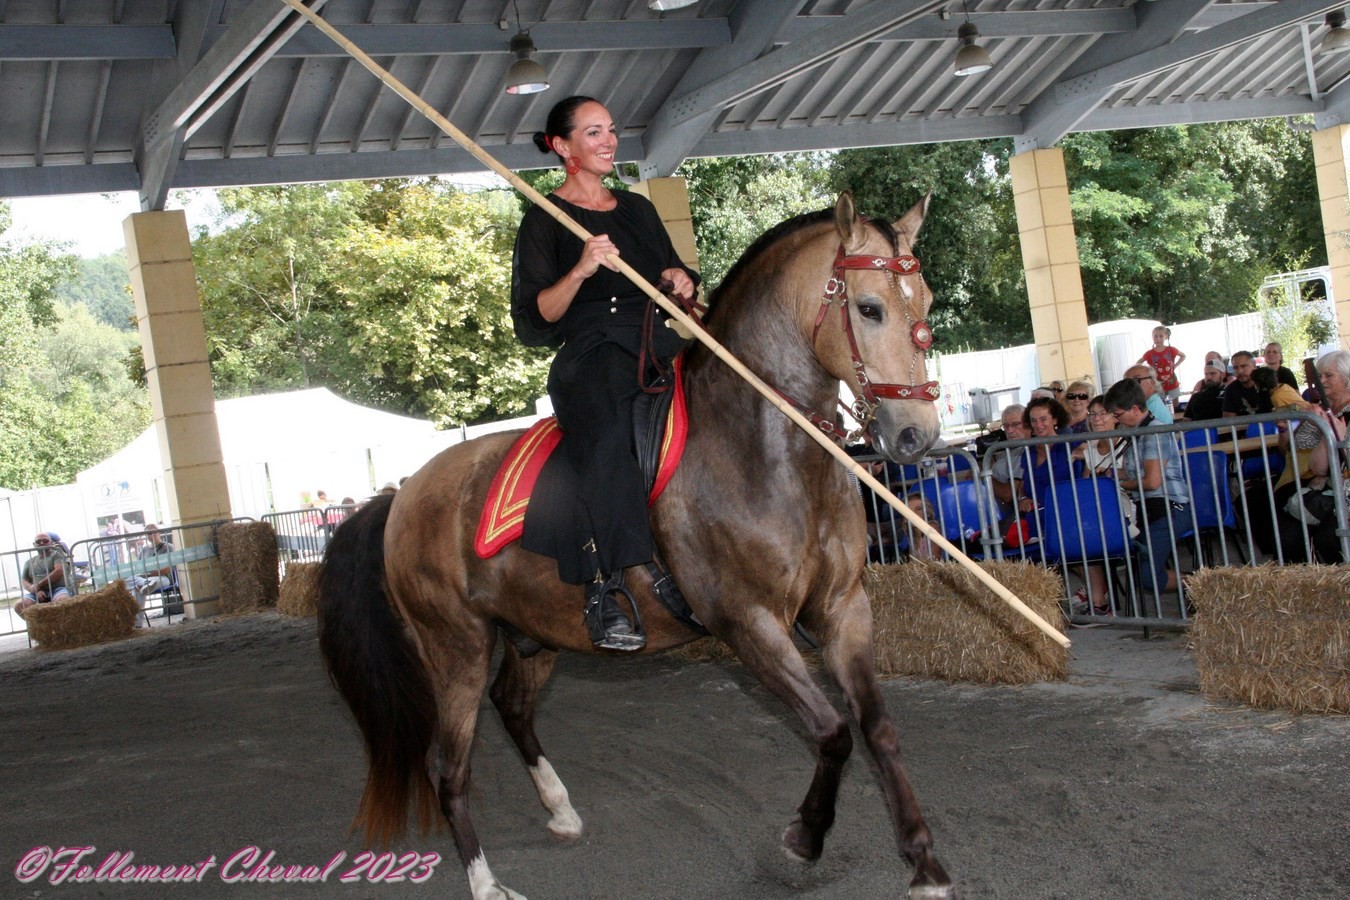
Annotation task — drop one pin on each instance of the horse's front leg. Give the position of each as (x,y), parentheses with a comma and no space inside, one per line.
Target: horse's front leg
(846,642)
(768,652)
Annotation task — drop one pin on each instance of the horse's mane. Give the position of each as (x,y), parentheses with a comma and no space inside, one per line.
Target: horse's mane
(777,233)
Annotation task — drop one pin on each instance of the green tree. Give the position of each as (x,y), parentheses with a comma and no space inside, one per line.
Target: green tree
(736,199)
(102,285)
(968,245)
(392,293)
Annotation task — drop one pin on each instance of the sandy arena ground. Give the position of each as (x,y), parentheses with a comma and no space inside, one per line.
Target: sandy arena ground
(209,738)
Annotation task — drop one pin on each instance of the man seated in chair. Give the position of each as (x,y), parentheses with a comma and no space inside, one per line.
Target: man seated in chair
(153,580)
(44,576)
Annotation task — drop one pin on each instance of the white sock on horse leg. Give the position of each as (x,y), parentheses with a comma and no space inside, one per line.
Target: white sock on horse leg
(484,885)
(553,794)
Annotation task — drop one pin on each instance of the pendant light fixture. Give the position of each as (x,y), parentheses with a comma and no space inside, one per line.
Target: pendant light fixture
(525,75)
(971,59)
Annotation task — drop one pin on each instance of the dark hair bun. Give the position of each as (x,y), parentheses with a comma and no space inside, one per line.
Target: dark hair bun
(541,141)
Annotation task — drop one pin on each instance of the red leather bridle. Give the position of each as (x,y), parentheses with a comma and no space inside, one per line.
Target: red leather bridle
(869,393)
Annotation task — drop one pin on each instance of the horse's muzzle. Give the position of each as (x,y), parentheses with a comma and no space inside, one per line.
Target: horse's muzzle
(908,445)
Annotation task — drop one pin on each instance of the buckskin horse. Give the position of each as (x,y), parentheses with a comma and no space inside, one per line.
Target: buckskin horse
(761,528)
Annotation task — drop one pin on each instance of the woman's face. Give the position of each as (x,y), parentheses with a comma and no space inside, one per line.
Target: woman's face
(593,140)
(1099,419)
(1042,421)
(1077,403)
(1338,392)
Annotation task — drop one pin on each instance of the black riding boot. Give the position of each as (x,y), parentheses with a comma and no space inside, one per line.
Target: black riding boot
(608,627)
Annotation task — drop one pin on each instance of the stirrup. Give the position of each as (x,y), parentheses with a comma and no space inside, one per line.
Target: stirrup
(606,624)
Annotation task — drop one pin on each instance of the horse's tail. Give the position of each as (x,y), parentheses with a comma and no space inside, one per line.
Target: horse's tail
(375,667)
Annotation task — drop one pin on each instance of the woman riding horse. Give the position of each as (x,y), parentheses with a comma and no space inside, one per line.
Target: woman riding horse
(759,524)
(569,293)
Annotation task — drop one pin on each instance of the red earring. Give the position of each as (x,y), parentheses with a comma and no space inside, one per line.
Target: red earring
(572,165)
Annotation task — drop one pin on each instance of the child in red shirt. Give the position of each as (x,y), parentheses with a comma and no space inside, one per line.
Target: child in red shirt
(1164,359)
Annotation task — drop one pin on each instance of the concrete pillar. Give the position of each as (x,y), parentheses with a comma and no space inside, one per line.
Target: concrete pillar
(1331,155)
(173,343)
(671,199)
(1050,257)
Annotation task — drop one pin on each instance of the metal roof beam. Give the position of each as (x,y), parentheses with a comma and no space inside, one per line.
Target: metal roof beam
(550,37)
(667,142)
(221,71)
(80,42)
(1158,44)
(820,46)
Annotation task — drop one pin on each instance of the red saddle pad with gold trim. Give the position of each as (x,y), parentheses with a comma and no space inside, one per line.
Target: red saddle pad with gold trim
(503,517)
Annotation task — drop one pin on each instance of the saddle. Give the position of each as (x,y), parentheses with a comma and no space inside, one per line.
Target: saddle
(660,425)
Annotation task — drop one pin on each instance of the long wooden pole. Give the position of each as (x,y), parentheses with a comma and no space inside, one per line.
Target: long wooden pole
(680,315)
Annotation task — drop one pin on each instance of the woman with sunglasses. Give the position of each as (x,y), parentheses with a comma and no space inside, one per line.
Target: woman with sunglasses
(1076,402)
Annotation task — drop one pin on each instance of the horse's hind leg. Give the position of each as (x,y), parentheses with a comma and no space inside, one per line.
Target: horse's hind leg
(515,693)
(846,641)
(459,667)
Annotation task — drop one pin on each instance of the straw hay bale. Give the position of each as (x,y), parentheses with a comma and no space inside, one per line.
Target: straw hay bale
(248,566)
(935,619)
(300,590)
(92,618)
(1274,637)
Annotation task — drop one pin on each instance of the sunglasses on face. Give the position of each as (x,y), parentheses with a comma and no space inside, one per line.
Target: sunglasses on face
(1141,378)
(41,542)
(1077,397)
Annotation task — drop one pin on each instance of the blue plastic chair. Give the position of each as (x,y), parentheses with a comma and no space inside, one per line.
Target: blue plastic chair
(1255,467)
(1212,510)
(1083,521)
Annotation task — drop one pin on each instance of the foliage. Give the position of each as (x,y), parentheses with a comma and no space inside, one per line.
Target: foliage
(102,286)
(1294,319)
(391,293)
(65,399)
(968,244)
(736,199)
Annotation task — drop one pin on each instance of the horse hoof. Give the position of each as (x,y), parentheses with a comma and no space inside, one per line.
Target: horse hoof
(565,826)
(798,843)
(932,892)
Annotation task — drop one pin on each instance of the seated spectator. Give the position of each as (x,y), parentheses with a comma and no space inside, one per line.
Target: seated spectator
(1274,358)
(1151,471)
(153,578)
(1242,397)
(1006,470)
(1207,399)
(1045,463)
(1147,380)
(920,545)
(44,575)
(1216,358)
(1076,402)
(1314,508)
(1101,458)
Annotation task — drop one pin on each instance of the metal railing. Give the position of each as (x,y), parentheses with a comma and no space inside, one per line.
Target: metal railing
(302,534)
(1234,510)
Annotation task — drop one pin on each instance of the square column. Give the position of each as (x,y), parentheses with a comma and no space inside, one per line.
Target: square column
(670,196)
(183,404)
(1050,257)
(1331,155)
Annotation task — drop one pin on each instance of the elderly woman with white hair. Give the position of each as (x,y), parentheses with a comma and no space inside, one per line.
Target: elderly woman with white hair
(1313,508)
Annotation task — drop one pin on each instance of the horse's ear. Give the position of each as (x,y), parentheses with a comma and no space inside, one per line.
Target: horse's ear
(908,225)
(846,221)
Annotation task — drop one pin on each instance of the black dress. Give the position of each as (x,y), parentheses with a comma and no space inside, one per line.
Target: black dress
(593,382)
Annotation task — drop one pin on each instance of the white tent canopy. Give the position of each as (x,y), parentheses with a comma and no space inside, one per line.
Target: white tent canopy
(279,451)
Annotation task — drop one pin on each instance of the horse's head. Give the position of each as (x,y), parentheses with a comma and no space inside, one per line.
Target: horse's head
(877,338)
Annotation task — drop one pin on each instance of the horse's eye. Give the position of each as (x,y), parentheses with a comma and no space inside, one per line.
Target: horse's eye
(870,311)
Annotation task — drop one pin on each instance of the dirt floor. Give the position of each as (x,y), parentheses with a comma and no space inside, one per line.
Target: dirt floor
(212,737)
